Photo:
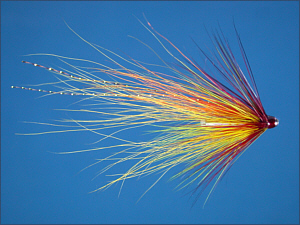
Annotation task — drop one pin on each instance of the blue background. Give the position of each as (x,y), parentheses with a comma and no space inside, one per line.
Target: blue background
(40,187)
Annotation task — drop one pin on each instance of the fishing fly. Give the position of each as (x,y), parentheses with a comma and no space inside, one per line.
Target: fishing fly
(202,121)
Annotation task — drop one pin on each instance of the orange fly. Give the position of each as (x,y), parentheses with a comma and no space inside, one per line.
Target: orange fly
(202,123)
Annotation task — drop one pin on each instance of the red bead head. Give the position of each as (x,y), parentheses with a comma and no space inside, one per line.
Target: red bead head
(272,122)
